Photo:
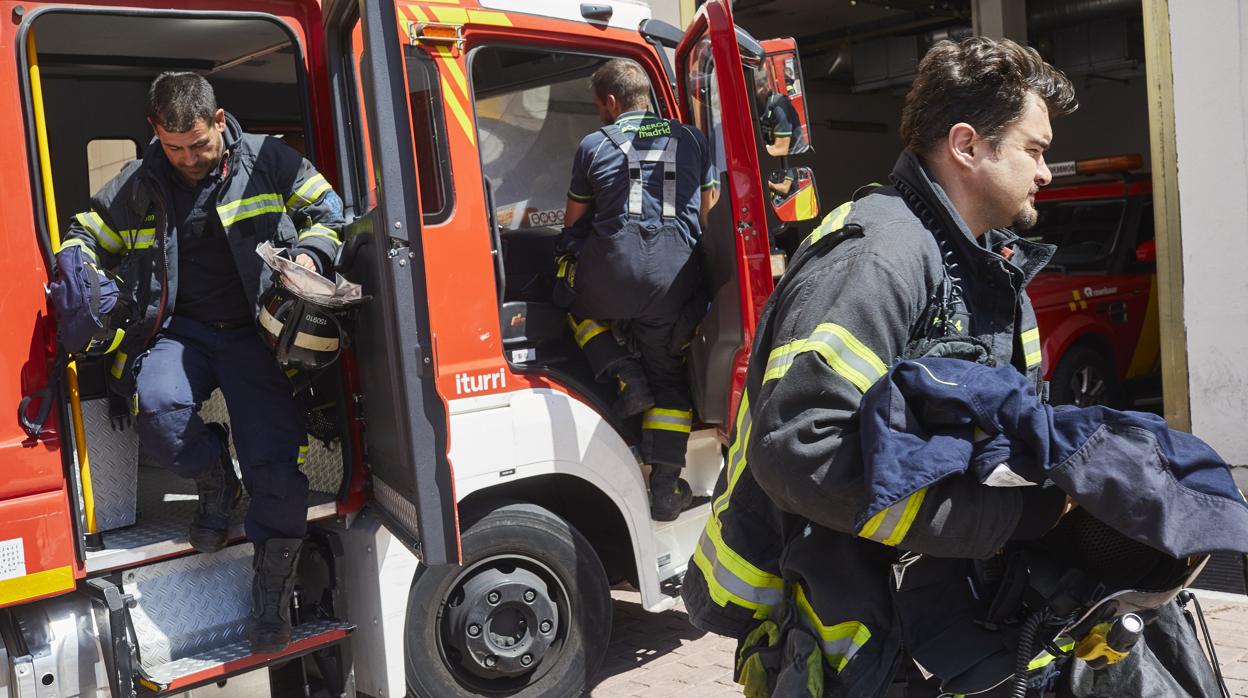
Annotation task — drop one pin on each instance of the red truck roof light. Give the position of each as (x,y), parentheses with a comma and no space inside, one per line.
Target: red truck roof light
(1112,164)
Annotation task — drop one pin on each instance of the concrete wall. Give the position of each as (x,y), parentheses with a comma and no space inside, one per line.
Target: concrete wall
(1210,62)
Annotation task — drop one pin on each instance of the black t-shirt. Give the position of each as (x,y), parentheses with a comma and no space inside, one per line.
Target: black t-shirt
(209,287)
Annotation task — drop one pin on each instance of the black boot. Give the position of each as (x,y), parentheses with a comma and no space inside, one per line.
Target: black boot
(273,565)
(669,493)
(635,396)
(219,494)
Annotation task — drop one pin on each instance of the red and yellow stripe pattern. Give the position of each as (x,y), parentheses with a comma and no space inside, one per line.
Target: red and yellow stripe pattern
(449,59)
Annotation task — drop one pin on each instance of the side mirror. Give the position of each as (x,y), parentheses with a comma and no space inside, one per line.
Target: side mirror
(1146,253)
(793,194)
(781,97)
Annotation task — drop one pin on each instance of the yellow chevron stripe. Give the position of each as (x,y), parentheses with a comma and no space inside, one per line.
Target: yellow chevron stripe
(458,110)
(497,19)
(450,15)
(451,67)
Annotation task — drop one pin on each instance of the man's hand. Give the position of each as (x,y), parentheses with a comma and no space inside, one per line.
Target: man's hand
(305,260)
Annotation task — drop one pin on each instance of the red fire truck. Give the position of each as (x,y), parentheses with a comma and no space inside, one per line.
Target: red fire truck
(472,495)
(1096,302)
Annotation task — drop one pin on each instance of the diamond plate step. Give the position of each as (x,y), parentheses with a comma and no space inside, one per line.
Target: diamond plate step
(235,658)
(189,605)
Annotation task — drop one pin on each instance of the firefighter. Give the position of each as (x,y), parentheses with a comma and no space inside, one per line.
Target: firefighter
(641,187)
(181,225)
(783,565)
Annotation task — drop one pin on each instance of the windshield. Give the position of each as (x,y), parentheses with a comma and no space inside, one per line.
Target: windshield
(1084,232)
(533,108)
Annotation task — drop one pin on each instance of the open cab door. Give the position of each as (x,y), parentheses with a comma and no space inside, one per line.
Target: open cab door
(736,263)
(405,419)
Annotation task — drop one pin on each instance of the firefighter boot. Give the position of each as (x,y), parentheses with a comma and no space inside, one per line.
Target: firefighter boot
(669,493)
(219,493)
(635,396)
(268,629)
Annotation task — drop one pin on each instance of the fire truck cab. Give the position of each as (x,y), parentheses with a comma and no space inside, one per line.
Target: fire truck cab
(1096,302)
(472,496)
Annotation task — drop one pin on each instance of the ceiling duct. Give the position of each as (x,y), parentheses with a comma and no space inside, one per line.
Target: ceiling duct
(1043,15)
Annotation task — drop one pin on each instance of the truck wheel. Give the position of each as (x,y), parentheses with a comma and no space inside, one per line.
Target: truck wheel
(1083,377)
(527,614)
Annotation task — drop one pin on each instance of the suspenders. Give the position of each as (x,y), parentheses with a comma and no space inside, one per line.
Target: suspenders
(636,188)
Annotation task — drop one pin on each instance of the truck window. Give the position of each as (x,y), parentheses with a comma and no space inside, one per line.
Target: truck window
(105,156)
(428,132)
(1084,231)
(533,108)
(433,161)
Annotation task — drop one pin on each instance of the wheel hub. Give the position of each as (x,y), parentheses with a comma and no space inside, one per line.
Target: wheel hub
(505,623)
(1088,387)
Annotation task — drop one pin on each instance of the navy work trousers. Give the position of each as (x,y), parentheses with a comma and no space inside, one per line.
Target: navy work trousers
(184,365)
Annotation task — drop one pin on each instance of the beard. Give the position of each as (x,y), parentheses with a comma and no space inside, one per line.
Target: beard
(1026,217)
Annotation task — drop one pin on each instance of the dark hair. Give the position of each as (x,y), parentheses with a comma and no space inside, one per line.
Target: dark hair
(982,82)
(624,79)
(177,100)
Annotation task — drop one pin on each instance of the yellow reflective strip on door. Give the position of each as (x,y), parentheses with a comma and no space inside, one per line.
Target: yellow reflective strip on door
(57,579)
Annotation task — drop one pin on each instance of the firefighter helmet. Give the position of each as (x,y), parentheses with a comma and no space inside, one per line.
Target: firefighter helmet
(303,334)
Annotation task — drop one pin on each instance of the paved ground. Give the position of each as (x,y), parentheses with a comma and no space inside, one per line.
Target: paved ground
(661,655)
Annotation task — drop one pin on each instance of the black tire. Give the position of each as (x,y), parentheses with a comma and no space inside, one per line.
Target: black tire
(1084,377)
(511,551)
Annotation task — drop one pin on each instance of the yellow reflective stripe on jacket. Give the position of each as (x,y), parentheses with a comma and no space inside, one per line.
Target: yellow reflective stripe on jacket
(839,642)
(585,330)
(736,454)
(730,578)
(891,525)
(839,348)
(309,193)
(831,223)
(79,242)
(667,420)
(119,364)
(318,230)
(303,455)
(242,209)
(1031,346)
(140,239)
(108,238)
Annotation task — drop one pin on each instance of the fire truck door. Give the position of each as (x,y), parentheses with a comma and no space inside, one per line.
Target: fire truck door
(405,419)
(716,100)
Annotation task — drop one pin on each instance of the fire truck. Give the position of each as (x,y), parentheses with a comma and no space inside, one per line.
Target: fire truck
(1096,301)
(472,496)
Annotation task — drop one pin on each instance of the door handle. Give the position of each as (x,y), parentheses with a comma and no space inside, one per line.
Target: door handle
(1118,312)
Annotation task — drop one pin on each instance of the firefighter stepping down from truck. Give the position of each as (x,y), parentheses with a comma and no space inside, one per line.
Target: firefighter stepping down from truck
(641,188)
(180,226)
(844,572)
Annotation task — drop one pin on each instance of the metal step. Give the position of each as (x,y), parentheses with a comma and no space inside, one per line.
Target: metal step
(189,618)
(234,659)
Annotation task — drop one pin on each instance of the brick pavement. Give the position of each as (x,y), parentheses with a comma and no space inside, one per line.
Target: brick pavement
(660,655)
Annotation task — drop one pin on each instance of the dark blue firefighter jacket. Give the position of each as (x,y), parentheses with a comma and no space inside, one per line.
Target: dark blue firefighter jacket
(933,418)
